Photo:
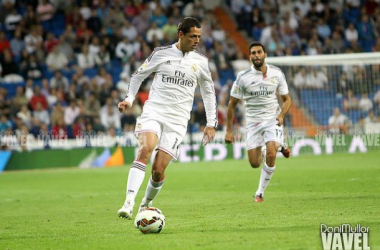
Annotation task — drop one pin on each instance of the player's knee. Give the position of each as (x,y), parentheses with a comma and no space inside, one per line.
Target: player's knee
(157,175)
(255,164)
(145,151)
(271,155)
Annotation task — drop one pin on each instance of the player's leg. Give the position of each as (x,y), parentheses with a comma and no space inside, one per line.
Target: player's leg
(148,132)
(255,157)
(168,146)
(147,143)
(157,179)
(273,138)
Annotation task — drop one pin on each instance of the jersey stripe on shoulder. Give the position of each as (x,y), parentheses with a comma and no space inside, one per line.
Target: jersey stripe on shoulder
(241,73)
(158,49)
(275,67)
(199,53)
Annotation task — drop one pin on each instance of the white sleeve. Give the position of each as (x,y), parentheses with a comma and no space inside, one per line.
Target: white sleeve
(237,88)
(208,95)
(149,66)
(283,86)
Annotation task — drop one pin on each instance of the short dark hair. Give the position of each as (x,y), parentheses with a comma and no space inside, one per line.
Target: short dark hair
(256,44)
(187,23)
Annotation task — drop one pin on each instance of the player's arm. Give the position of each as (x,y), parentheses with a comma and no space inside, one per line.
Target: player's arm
(287,102)
(284,94)
(229,137)
(149,66)
(209,99)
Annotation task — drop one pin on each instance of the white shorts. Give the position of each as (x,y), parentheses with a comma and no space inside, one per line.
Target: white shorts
(260,133)
(170,135)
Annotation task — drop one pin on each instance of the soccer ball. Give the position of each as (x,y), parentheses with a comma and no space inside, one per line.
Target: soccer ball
(150,220)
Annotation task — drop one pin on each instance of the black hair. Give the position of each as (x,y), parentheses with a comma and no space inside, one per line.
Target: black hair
(256,44)
(187,23)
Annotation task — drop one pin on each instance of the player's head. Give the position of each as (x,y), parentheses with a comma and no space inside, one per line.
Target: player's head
(189,33)
(257,54)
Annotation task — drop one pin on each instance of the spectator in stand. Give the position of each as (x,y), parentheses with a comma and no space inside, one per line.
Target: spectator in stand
(103,58)
(92,105)
(25,115)
(4,43)
(57,113)
(338,123)
(123,84)
(33,69)
(94,23)
(371,118)
(111,119)
(32,40)
(41,114)
(128,121)
(129,31)
(9,67)
(141,22)
(50,43)
(71,113)
(45,11)
(198,116)
(124,50)
(56,60)
(85,59)
(59,130)
(170,30)
(350,102)
(59,81)
(240,63)
(38,97)
(12,20)
(79,127)
(17,43)
(316,79)
(365,104)
(158,17)
(300,79)
(351,33)
(20,99)
(154,31)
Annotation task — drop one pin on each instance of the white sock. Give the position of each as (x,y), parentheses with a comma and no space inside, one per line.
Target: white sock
(266,175)
(135,179)
(152,190)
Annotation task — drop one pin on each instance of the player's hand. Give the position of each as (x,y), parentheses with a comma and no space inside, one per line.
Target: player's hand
(280,121)
(123,106)
(229,137)
(208,135)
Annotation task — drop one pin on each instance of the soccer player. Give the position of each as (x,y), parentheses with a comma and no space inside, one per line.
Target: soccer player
(163,123)
(257,86)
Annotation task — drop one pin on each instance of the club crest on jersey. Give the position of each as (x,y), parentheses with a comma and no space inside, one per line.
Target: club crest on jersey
(236,90)
(139,126)
(194,68)
(272,80)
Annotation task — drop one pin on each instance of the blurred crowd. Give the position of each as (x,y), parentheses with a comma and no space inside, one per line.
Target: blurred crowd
(65,64)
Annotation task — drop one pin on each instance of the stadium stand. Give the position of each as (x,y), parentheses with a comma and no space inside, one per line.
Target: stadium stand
(97,45)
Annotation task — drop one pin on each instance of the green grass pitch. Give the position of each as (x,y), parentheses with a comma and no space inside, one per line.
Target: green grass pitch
(208,205)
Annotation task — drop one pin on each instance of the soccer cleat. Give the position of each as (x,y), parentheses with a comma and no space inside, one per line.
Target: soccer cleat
(143,205)
(285,151)
(126,210)
(259,198)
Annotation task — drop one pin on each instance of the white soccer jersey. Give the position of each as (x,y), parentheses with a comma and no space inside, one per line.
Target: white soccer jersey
(260,93)
(172,92)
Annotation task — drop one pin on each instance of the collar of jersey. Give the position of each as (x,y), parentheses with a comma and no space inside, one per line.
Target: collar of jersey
(179,51)
(258,71)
